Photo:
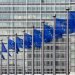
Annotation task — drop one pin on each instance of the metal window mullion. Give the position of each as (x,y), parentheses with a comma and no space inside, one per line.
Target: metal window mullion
(41,30)
(54,52)
(15,57)
(7,58)
(26,31)
(23,55)
(32,52)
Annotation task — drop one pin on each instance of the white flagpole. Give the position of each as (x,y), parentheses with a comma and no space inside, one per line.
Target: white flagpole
(54,52)
(15,56)
(7,58)
(1,59)
(67,51)
(23,54)
(42,55)
(32,51)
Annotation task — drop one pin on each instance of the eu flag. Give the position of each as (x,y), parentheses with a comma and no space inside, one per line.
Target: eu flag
(72,21)
(60,26)
(48,33)
(4,48)
(11,45)
(27,40)
(19,42)
(37,38)
(2,56)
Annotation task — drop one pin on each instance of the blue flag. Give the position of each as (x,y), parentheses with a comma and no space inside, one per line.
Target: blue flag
(19,42)
(37,36)
(11,45)
(61,26)
(48,33)
(72,21)
(2,57)
(27,40)
(4,48)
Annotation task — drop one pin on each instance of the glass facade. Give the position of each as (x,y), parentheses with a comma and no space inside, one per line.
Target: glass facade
(19,15)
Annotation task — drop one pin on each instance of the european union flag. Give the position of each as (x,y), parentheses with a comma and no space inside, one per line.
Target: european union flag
(37,38)
(48,33)
(11,45)
(60,26)
(19,42)
(72,21)
(2,57)
(4,49)
(27,40)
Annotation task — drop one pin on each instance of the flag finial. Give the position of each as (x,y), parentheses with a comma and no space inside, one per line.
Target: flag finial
(68,9)
(23,30)
(43,21)
(54,15)
(33,26)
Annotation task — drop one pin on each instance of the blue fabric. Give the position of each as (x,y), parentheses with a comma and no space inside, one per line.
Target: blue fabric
(72,21)
(60,26)
(27,40)
(37,36)
(48,33)
(19,42)
(11,45)
(2,57)
(4,48)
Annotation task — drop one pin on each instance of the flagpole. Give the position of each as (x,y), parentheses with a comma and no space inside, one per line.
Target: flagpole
(15,56)
(42,55)
(54,52)
(23,54)
(67,51)
(7,58)
(32,51)
(1,59)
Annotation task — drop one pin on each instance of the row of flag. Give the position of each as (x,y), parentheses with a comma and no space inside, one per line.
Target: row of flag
(60,29)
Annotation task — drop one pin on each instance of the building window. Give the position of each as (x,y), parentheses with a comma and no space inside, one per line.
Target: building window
(72,0)
(29,63)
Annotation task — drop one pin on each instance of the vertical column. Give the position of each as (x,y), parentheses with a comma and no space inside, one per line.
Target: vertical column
(54,52)
(15,56)
(23,54)
(42,50)
(1,60)
(40,29)
(26,52)
(8,58)
(67,51)
(32,51)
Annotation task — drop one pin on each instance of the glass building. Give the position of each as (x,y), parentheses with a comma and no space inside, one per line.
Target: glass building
(19,15)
